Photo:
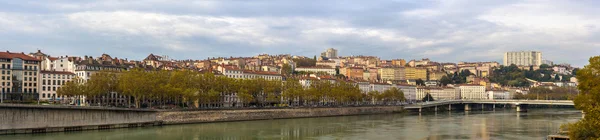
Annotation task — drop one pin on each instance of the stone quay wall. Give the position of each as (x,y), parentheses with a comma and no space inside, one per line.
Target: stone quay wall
(205,116)
(17,119)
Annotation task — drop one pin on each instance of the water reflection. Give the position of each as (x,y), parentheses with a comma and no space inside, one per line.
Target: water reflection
(499,124)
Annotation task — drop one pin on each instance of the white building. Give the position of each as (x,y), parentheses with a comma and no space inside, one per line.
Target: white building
(438,93)
(410,92)
(471,92)
(380,87)
(561,70)
(523,58)
(52,81)
(498,95)
(234,72)
(328,70)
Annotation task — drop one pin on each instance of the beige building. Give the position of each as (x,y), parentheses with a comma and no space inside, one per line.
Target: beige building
(472,92)
(436,75)
(52,81)
(330,53)
(19,77)
(327,63)
(392,74)
(523,58)
(413,73)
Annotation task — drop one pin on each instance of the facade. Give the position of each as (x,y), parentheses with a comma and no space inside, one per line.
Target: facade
(413,73)
(51,81)
(410,92)
(523,58)
(330,53)
(328,70)
(19,74)
(399,62)
(438,93)
(234,72)
(498,95)
(436,75)
(392,73)
(354,72)
(327,63)
(472,92)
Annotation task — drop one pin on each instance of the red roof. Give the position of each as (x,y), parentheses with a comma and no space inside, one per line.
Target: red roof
(9,55)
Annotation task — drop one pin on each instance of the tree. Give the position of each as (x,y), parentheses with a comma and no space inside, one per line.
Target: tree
(588,101)
(286,69)
(420,82)
(445,80)
(556,78)
(428,97)
(544,66)
(135,83)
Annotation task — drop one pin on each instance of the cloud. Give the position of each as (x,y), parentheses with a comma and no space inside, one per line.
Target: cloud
(444,30)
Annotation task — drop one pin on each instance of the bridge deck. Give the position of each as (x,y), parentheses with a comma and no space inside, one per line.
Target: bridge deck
(515,102)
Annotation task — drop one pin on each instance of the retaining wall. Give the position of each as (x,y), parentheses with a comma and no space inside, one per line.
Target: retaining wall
(15,119)
(179,117)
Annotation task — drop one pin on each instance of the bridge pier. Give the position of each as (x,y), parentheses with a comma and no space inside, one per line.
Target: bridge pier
(482,107)
(521,107)
(420,110)
(467,107)
(436,109)
(449,107)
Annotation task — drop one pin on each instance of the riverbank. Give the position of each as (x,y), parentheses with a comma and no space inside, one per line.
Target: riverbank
(18,119)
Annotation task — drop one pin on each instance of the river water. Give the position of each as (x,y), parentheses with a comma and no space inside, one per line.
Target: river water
(475,125)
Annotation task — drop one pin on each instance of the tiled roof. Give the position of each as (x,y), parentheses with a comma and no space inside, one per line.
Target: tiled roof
(10,55)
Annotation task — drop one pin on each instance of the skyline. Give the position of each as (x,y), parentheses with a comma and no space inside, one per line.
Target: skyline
(445,31)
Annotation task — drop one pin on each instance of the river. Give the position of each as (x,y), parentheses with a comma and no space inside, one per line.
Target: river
(476,125)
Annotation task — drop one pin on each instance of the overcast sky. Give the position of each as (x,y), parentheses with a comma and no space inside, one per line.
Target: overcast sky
(442,30)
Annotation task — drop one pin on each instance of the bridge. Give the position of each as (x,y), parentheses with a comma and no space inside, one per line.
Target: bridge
(521,105)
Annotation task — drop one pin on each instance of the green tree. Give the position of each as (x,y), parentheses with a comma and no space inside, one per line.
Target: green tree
(588,101)
(445,80)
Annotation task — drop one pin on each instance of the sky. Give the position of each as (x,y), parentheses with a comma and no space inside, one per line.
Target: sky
(565,31)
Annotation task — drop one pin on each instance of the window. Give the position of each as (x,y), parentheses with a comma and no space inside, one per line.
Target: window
(43,82)
(25,67)
(53,88)
(8,67)
(35,84)
(2,71)
(53,82)
(34,78)
(43,88)
(3,66)
(44,95)
(7,72)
